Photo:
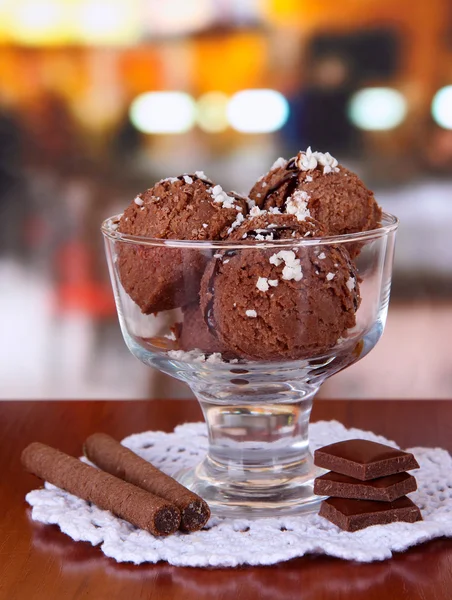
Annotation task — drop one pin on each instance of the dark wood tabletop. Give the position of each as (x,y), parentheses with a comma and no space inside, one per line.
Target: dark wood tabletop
(39,562)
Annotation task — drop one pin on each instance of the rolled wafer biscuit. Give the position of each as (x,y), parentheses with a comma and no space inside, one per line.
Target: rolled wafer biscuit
(113,457)
(135,505)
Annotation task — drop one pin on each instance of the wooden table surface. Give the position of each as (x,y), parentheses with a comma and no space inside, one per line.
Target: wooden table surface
(39,562)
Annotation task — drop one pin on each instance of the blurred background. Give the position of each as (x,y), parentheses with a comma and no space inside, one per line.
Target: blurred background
(100,98)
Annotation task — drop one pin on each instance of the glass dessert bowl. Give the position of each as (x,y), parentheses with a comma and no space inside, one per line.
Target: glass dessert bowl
(253,326)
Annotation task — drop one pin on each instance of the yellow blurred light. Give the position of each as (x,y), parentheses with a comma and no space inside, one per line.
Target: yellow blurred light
(442,107)
(163,112)
(211,113)
(377,109)
(258,111)
(35,22)
(107,21)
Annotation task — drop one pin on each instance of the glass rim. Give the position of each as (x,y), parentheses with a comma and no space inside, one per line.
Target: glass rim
(389,223)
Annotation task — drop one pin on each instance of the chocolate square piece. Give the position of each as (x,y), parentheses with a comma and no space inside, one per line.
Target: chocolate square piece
(352,515)
(363,459)
(383,489)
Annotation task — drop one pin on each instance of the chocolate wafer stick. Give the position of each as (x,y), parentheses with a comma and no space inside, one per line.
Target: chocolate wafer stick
(113,457)
(142,509)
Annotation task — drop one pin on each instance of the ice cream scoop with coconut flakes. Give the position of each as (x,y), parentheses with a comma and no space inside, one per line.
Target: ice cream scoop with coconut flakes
(314,184)
(265,303)
(188,207)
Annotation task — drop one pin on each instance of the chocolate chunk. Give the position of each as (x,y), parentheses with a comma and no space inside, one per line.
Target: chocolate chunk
(352,515)
(383,489)
(363,459)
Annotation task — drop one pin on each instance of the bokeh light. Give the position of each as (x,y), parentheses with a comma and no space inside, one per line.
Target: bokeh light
(442,107)
(34,22)
(178,17)
(107,21)
(163,112)
(212,112)
(257,111)
(377,109)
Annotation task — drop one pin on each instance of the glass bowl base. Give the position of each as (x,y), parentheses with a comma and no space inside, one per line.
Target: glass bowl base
(250,497)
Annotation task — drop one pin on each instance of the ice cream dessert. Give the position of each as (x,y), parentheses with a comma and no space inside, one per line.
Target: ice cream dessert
(269,304)
(334,196)
(193,332)
(188,207)
(256,299)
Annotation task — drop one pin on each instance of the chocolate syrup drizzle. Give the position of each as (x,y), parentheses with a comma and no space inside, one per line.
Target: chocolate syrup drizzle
(208,313)
(291,177)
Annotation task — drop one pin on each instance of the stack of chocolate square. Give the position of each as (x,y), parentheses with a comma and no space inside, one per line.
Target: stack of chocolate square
(367,484)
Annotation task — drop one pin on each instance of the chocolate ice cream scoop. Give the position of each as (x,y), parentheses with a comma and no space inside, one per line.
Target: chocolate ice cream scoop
(279,304)
(334,196)
(193,333)
(188,207)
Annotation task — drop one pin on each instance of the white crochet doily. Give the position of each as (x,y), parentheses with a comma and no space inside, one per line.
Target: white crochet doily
(233,542)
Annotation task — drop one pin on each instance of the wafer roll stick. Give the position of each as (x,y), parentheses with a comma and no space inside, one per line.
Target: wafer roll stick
(113,457)
(142,509)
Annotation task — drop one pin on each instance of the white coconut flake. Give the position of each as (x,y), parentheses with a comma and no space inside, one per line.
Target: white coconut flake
(273,282)
(202,175)
(297,205)
(258,195)
(114,226)
(220,197)
(256,212)
(262,284)
(251,313)
(322,256)
(308,178)
(215,358)
(330,276)
(264,184)
(328,162)
(279,162)
(240,218)
(292,272)
(350,283)
(170,336)
(195,355)
(274,210)
(305,161)
(188,179)
(205,225)
(139,201)
(292,268)
(251,203)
